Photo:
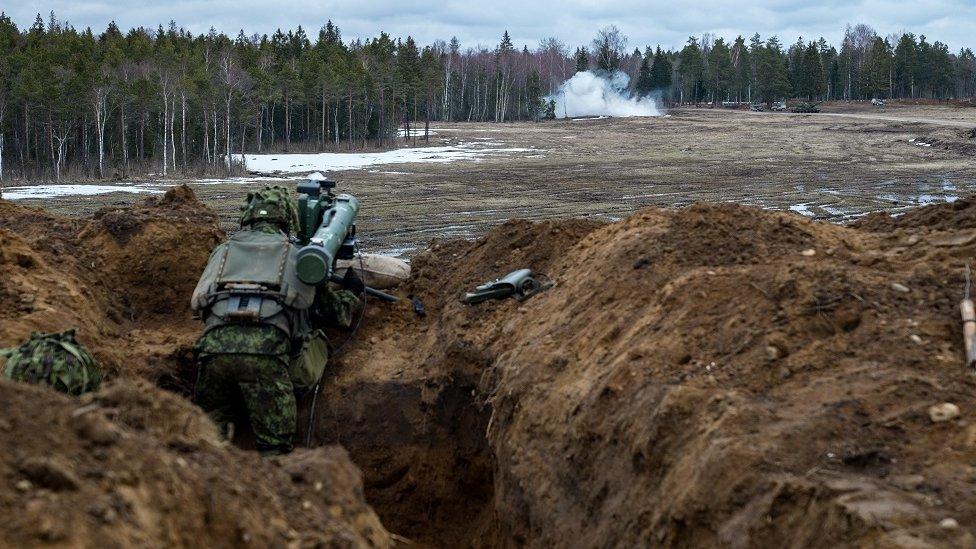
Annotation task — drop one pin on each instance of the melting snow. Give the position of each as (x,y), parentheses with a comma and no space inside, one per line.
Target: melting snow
(414,132)
(57,191)
(802,209)
(292,163)
(291,166)
(37,192)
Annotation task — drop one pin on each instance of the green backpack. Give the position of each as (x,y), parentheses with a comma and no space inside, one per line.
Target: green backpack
(57,360)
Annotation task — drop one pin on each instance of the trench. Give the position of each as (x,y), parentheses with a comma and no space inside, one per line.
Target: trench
(420,444)
(427,468)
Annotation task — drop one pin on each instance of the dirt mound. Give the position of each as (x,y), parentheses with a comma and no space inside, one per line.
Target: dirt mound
(153,254)
(135,466)
(712,375)
(538,244)
(952,216)
(123,275)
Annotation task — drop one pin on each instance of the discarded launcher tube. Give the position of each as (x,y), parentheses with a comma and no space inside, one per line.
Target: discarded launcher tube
(520,284)
(968,312)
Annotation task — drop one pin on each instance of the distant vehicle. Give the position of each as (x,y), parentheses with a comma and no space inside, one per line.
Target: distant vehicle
(758,107)
(805,108)
(779,106)
(878,102)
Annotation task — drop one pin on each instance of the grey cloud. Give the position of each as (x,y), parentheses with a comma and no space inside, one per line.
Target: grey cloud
(645,22)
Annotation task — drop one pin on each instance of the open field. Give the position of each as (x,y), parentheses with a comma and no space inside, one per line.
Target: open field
(838,165)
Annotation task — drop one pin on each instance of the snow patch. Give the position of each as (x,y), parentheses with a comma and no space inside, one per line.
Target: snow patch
(414,132)
(59,191)
(802,209)
(328,162)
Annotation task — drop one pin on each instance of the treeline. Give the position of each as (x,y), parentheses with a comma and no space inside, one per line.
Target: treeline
(866,66)
(165,101)
(113,104)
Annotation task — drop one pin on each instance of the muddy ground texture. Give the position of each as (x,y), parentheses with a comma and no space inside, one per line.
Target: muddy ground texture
(710,375)
(838,165)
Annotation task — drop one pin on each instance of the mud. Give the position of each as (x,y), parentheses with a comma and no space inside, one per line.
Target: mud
(709,375)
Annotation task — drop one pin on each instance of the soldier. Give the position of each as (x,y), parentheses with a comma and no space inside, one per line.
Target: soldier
(263,337)
(56,360)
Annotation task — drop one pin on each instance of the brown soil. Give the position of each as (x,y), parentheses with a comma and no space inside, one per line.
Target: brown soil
(693,379)
(954,216)
(134,466)
(407,403)
(711,375)
(122,277)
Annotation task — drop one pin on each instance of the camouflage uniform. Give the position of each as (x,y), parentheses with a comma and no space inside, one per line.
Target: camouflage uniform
(56,360)
(261,339)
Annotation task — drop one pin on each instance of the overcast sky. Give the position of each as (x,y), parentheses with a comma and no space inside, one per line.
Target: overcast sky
(647,22)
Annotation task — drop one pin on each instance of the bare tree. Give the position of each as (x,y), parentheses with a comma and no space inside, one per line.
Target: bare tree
(233,80)
(100,94)
(553,54)
(609,46)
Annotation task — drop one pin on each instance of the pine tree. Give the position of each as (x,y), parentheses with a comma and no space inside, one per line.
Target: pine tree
(772,78)
(814,78)
(742,68)
(506,43)
(661,70)
(691,68)
(533,95)
(551,110)
(645,83)
(876,73)
(965,71)
(721,73)
(905,65)
(582,60)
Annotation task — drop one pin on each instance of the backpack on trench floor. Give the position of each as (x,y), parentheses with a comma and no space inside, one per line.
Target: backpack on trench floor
(56,360)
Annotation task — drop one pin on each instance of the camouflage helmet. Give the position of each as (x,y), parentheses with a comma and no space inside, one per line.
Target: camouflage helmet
(57,360)
(272,204)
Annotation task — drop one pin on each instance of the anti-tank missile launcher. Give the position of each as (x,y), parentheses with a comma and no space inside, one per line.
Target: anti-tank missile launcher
(327,231)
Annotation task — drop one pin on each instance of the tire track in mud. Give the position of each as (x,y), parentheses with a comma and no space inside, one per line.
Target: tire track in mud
(829,200)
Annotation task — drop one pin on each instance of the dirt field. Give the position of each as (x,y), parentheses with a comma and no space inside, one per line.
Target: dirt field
(851,160)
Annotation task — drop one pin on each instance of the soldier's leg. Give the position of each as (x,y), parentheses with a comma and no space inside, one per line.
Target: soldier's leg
(270,400)
(214,391)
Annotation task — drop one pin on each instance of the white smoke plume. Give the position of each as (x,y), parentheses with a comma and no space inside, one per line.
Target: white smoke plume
(591,94)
